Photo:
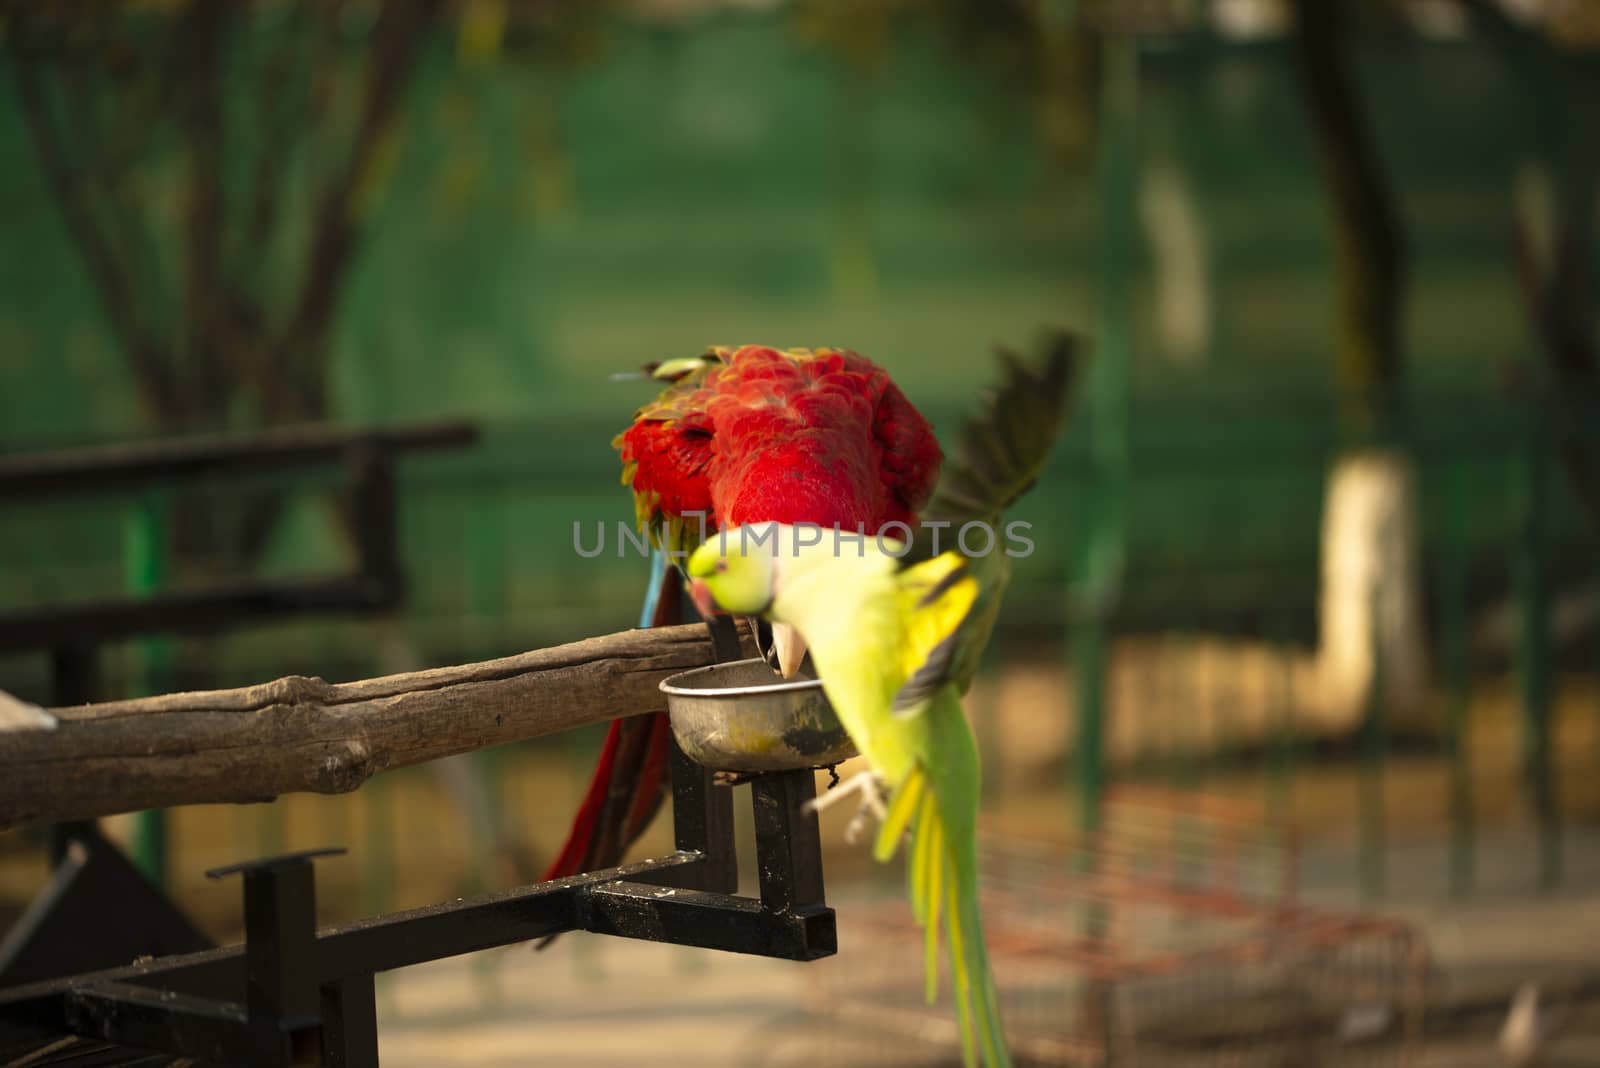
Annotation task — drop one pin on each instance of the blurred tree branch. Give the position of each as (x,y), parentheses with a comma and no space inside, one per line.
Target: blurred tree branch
(199,37)
(1049,50)
(108,88)
(300,389)
(1368,246)
(1556,275)
(71,183)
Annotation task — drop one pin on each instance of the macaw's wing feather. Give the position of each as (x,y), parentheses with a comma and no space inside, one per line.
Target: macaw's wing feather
(937,598)
(1004,447)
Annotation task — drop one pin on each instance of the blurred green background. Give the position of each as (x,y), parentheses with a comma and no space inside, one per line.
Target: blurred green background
(1332,263)
(551,193)
(572,202)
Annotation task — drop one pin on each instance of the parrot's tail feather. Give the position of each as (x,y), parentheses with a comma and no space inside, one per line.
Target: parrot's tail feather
(985,997)
(902,806)
(919,872)
(961,978)
(933,892)
(943,886)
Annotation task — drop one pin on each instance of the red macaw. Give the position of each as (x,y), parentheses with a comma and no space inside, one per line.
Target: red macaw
(741,436)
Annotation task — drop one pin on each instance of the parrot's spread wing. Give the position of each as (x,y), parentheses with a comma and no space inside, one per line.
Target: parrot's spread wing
(937,601)
(1006,444)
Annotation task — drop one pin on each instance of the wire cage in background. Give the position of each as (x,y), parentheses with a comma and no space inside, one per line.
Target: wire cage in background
(1173,937)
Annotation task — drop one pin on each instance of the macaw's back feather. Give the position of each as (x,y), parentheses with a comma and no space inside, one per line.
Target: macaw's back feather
(818,436)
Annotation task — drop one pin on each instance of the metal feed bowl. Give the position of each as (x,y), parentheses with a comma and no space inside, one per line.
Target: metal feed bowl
(740,716)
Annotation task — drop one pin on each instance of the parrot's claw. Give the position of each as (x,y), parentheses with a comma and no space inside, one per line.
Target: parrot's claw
(859,824)
(755,636)
(866,784)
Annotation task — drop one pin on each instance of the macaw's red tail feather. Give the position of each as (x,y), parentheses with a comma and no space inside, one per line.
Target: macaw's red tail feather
(569,860)
(630,778)
(646,803)
(626,792)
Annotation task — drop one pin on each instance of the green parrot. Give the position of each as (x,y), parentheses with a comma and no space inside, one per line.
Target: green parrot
(896,632)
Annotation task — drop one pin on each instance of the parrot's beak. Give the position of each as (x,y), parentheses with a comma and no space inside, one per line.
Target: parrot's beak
(704,603)
(790,647)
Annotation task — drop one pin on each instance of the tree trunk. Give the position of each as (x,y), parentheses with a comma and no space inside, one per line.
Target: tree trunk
(1371,603)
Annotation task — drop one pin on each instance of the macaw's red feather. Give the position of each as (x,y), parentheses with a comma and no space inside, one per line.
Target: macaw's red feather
(802,436)
(753,434)
(570,860)
(671,457)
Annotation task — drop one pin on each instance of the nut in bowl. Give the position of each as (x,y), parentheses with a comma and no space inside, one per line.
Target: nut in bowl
(742,716)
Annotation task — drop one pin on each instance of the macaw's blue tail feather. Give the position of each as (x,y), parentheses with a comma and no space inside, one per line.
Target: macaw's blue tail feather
(652,594)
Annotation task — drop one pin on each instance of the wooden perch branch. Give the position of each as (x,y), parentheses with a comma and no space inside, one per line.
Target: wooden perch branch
(303,734)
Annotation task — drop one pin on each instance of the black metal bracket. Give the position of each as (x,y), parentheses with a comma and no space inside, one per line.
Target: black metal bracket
(294,995)
(376,583)
(97,909)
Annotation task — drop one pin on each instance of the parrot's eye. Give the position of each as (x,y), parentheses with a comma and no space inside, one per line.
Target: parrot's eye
(722,565)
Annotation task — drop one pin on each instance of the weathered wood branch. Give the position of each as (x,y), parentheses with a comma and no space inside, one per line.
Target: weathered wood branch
(303,734)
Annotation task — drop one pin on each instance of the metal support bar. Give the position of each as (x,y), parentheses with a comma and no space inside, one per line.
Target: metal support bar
(299,996)
(375,502)
(97,911)
(788,841)
(702,817)
(305,997)
(74,670)
(350,1023)
(709,921)
(147,1018)
(1534,655)
(282,996)
(135,465)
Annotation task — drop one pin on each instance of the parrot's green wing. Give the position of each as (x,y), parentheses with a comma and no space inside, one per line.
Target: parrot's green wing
(1004,447)
(1002,451)
(937,598)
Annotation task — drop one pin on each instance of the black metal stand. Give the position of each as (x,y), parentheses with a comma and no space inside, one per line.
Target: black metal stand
(97,910)
(293,995)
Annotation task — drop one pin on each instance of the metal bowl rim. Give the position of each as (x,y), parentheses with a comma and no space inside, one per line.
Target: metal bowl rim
(782,686)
